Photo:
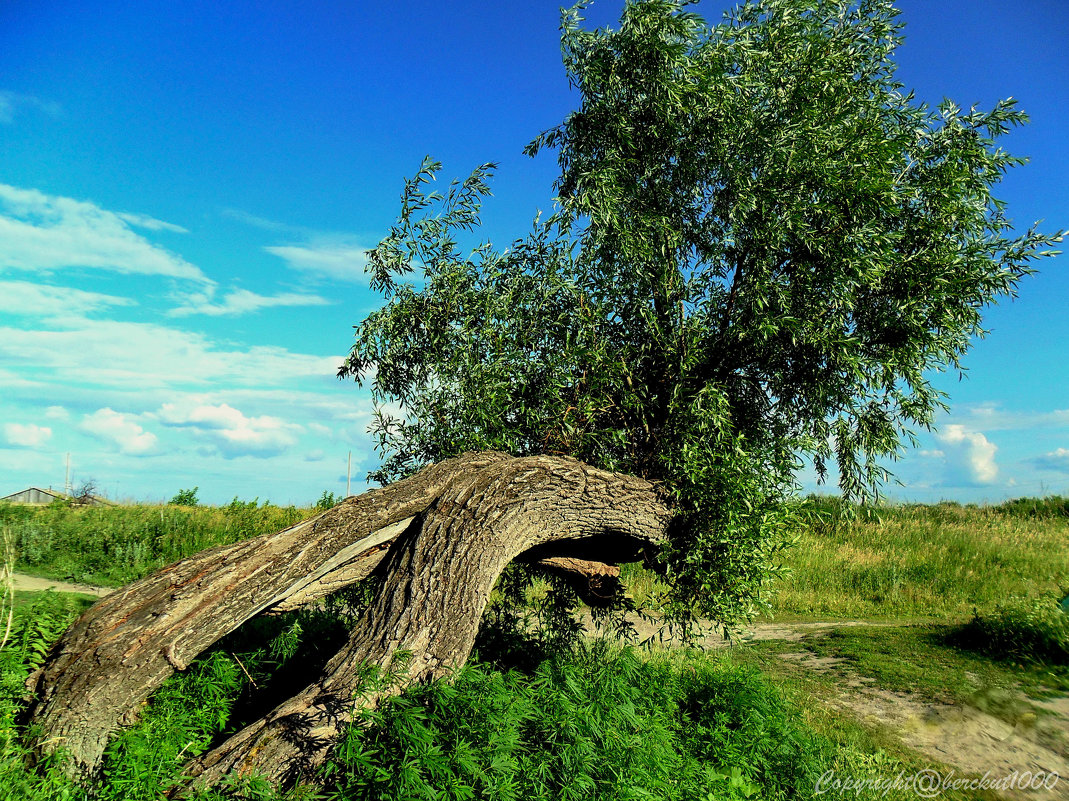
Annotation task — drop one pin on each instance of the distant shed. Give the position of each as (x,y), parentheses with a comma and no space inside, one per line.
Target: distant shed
(35,496)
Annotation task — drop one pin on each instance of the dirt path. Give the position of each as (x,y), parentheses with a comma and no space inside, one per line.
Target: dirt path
(24,583)
(968,740)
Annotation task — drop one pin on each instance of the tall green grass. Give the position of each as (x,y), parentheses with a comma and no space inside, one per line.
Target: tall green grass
(912,561)
(113,545)
(1021,630)
(937,562)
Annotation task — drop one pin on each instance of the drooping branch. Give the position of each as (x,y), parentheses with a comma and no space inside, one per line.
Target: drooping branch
(439,540)
(596,583)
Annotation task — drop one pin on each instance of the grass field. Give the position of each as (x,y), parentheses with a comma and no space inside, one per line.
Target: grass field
(924,563)
(113,545)
(927,562)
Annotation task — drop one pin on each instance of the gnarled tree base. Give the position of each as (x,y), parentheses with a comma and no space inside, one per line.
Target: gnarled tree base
(438,540)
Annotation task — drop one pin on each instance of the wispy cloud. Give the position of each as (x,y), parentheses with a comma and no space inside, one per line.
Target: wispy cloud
(11,103)
(970,457)
(1057,461)
(337,256)
(24,298)
(242,301)
(26,435)
(149,223)
(119,430)
(337,261)
(126,355)
(230,431)
(263,223)
(43,233)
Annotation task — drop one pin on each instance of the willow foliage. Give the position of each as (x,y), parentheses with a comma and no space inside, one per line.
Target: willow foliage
(763,245)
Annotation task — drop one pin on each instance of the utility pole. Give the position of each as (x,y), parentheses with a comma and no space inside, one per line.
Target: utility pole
(348,473)
(67,476)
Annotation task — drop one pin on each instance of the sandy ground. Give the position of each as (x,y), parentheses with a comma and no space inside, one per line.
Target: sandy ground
(965,738)
(26,583)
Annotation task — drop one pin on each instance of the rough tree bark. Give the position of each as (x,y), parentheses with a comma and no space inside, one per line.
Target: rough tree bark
(439,540)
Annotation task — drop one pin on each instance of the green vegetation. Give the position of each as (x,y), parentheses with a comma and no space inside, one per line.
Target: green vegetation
(943,561)
(602,723)
(327,501)
(529,717)
(113,545)
(911,562)
(185,497)
(1028,630)
(599,722)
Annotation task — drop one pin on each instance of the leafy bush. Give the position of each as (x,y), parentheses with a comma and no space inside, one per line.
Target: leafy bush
(597,722)
(1025,629)
(1053,506)
(327,500)
(185,497)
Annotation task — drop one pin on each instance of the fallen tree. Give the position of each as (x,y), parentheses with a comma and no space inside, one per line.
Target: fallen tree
(436,541)
(762,250)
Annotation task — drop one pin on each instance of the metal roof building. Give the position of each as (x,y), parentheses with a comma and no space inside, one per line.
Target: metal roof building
(33,495)
(42,497)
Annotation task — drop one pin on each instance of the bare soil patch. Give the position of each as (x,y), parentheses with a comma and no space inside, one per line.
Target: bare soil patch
(971,741)
(24,583)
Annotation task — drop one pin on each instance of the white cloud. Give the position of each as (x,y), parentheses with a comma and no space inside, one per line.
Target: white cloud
(57,413)
(340,261)
(993,417)
(26,435)
(108,353)
(39,300)
(970,457)
(230,431)
(1056,460)
(242,301)
(12,102)
(41,233)
(150,223)
(262,222)
(119,430)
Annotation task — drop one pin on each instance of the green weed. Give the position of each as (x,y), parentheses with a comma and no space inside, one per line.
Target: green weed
(601,723)
(1022,629)
(941,561)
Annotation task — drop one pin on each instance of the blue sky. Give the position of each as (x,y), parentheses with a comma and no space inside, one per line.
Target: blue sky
(187,189)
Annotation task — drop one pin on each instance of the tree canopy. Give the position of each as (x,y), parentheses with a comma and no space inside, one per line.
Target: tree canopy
(762,247)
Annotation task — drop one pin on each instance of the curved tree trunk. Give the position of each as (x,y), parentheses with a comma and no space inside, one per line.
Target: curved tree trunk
(439,539)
